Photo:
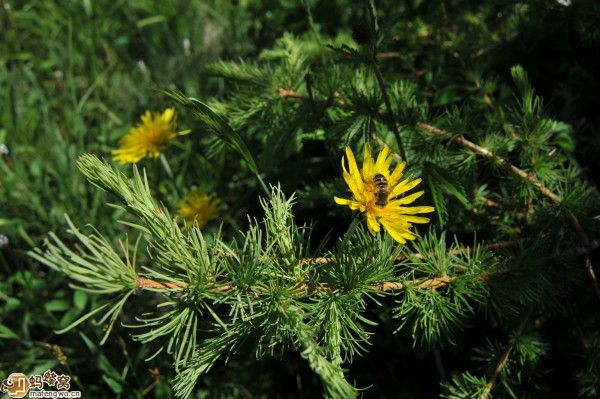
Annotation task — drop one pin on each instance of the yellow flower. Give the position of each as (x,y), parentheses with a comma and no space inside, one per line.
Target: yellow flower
(198,207)
(148,138)
(389,212)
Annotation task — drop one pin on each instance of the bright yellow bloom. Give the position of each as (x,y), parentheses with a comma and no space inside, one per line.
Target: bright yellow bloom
(396,218)
(198,207)
(148,138)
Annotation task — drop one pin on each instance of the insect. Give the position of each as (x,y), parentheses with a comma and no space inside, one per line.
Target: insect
(381,185)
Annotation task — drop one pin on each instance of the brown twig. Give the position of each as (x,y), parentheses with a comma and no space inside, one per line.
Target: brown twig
(490,203)
(389,54)
(146,283)
(388,286)
(489,154)
(459,139)
(530,177)
(305,289)
(506,354)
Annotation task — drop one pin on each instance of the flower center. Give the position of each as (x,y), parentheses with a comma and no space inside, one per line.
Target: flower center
(370,194)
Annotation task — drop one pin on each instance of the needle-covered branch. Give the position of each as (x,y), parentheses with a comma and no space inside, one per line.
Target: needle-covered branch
(272,264)
(482,151)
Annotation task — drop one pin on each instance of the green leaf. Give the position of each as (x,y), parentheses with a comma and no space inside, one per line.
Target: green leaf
(156,19)
(444,181)
(104,364)
(114,385)
(57,305)
(349,127)
(7,333)
(69,317)
(563,135)
(80,299)
(438,201)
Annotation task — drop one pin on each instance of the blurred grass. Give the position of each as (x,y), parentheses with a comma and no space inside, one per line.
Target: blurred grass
(74,75)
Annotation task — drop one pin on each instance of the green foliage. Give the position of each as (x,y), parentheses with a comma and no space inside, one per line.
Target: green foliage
(285,292)
(433,316)
(465,385)
(587,376)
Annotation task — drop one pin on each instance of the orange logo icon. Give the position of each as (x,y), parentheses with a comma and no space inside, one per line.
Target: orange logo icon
(16,385)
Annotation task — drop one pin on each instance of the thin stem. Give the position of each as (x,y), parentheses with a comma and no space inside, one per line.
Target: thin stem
(165,163)
(391,118)
(263,185)
(506,354)
(390,114)
(311,21)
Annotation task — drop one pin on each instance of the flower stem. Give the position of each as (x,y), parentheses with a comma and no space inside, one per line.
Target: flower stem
(165,164)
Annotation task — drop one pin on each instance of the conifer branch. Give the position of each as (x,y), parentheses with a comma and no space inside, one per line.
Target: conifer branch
(306,289)
(530,177)
(444,135)
(490,203)
(302,97)
(477,149)
(506,354)
(146,283)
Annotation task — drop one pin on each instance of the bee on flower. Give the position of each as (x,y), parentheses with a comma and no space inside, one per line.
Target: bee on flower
(380,195)
(148,138)
(198,207)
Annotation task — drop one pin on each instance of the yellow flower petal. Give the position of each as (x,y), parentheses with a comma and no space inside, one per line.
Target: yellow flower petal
(342,201)
(148,138)
(415,219)
(372,224)
(396,234)
(352,166)
(354,205)
(403,187)
(394,217)
(408,210)
(408,199)
(168,115)
(198,207)
(396,174)
(384,160)
(368,164)
(352,176)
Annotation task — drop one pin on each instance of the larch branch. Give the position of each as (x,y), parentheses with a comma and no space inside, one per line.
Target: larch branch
(485,152)
(506,354)
(306,290)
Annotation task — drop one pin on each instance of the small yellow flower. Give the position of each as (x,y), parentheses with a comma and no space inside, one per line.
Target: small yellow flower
(198,207)
(387,211)
(148,138)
